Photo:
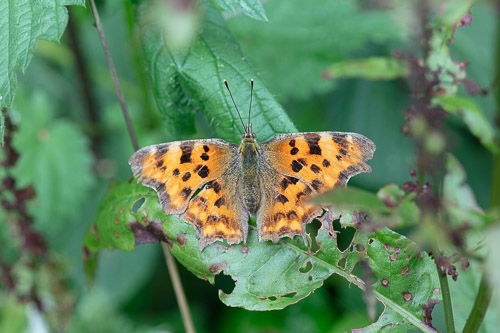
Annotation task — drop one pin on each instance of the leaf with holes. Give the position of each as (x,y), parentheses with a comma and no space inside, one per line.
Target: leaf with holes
(23,23)
(272,276)
(189,81)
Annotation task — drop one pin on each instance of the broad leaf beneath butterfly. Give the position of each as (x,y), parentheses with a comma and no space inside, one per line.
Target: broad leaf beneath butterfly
(272,276)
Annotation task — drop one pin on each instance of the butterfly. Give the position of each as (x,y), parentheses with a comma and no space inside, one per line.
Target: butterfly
(216,185)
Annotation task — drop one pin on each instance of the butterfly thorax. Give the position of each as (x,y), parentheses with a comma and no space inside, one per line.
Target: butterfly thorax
(249,169)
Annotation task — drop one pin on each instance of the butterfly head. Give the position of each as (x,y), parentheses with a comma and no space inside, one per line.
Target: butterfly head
(249,134)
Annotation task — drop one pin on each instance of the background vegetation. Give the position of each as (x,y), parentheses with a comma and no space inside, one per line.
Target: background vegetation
(420,80)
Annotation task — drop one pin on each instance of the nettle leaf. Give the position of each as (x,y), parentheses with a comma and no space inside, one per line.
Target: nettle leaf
(472,116)
(251,8)
(55,159)
(23,23)
(272,276)
(374,68)
(191,80)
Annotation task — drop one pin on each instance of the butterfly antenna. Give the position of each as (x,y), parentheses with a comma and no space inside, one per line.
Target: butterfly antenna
(230,94)
(251,95)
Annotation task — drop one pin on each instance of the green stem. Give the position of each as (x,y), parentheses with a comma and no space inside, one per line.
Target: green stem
(480,306)
(445,292)
(485,291)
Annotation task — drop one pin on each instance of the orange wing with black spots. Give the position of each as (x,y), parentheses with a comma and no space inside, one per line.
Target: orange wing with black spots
(301,165)
(217,212)
(176,170)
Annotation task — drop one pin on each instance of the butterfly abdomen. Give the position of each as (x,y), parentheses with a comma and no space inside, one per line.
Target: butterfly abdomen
(249,169)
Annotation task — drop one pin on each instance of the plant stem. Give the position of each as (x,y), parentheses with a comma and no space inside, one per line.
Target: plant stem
(114,75)
(172,269)
(480,306)
(485,290)
(138,61)
(445,292)
(179,290)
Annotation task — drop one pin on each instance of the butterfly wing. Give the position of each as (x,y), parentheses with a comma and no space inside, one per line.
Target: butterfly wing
(301,165)
(176,170)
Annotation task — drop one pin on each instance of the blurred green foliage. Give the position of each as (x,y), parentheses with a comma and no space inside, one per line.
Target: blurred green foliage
(69,153)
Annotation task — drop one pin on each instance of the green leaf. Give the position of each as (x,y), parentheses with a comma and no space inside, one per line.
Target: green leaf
(302,38)
(270,276)
(458,198)
(450,12)
(55,159)
(23,23)
(2,126)
(464,292)
(351,198)
(375,68)
(389,207)
(189,81)
(13,315)
(251,8)
(472,116)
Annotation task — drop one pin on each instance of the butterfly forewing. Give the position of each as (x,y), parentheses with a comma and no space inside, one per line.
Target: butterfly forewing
(300,165)
(177,169)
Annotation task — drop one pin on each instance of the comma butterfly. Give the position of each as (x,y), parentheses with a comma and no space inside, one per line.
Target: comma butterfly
(271,181)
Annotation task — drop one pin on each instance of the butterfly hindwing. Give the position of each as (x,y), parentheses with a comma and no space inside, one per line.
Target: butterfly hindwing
(217,212)
(300,165)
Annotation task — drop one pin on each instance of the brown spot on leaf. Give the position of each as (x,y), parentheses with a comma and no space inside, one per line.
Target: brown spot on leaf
(181,239)
(116,220)
(244,249)
(122,210)
(405,271)
(384,282)
(407,295)
(387,247)
(86,253)
(115,233)
(216,268)
(427,311)
(151,233)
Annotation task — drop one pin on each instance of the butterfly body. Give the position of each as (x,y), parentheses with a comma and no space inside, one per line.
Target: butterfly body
(271,181)
(250,174)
